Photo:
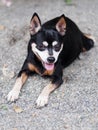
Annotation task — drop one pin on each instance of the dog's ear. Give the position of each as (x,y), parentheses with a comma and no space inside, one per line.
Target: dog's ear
(35,24)
(61,25)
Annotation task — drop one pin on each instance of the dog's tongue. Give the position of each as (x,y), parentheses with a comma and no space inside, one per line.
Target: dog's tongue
(49,66)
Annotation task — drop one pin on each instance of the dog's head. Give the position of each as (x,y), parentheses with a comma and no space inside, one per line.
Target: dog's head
(47,39)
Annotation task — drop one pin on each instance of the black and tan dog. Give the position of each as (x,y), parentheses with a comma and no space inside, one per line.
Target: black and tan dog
(52,47)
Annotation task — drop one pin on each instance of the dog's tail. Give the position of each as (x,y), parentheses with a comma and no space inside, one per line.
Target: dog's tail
(88,42)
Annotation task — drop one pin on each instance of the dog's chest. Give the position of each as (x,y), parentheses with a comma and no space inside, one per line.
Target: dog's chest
(33,68)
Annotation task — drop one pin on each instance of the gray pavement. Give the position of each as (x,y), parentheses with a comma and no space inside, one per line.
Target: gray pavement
(74,106)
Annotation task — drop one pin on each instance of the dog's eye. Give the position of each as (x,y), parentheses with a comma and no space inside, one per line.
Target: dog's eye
(57,47)
(41,47)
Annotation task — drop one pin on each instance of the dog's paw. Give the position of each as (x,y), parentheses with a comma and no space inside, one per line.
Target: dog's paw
(42,101)
(13,95)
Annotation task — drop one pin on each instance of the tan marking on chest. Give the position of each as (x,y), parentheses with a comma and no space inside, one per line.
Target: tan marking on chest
(35,69)
(48,72)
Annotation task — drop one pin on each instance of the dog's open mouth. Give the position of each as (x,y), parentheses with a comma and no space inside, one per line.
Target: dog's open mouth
(48,66)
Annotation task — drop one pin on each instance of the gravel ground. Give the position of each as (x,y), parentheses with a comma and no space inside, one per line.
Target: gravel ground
(74,106)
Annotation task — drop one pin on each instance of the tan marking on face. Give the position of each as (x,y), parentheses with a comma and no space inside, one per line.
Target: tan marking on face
(54,43)
(45,43)
(41,55)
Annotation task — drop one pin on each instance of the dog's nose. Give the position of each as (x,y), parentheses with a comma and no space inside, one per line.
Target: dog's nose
(50,59)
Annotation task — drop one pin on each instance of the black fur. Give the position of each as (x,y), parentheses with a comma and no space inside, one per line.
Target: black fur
(73,43)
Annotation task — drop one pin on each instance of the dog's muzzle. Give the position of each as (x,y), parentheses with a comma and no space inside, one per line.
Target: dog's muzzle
(49,65)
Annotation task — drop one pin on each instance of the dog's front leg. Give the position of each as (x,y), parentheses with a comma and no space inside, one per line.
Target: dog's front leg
(56,82)
(14,93)
(21,79)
